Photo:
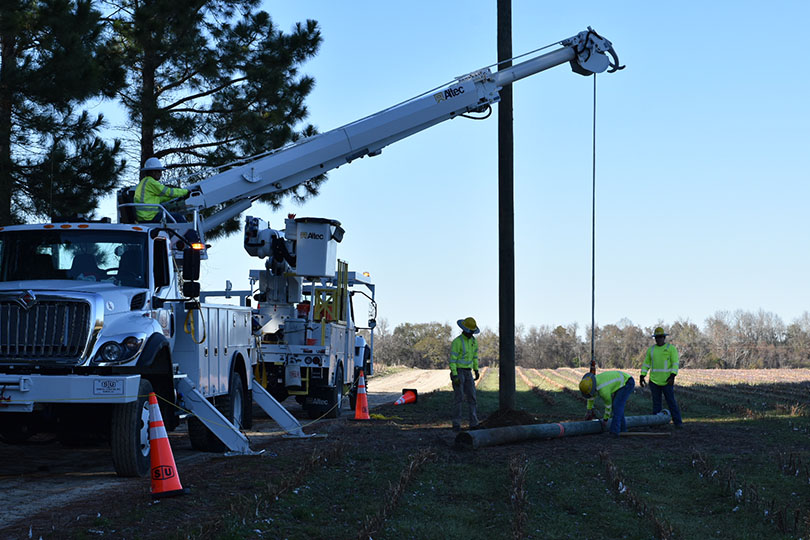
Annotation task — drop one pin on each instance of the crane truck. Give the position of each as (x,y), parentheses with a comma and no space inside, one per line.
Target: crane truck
(95,315)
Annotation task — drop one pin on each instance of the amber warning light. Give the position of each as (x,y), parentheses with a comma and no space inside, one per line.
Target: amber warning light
(198,246)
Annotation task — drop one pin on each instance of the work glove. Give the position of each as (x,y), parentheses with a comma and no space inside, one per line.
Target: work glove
(642,382)
(671,379)
(476,375)
(454,379)
(590,415)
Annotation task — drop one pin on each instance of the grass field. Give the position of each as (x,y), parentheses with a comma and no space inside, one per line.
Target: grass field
(739,469)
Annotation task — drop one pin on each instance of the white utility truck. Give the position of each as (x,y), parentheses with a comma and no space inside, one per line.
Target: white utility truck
(95,315)
(310,348)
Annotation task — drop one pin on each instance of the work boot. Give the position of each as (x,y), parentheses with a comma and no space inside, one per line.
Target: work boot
(679,426)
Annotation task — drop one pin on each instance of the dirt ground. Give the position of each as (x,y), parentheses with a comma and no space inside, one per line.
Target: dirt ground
(45,488)
(42,475)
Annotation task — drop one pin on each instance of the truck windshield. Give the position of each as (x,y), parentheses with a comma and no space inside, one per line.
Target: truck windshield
(84,255)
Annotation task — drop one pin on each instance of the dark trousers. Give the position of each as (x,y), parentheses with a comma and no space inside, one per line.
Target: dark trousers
(669,394)
(618,423)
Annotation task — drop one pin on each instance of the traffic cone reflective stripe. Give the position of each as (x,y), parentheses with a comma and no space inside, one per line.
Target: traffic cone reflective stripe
(165,481)
(361,406)
(409,395)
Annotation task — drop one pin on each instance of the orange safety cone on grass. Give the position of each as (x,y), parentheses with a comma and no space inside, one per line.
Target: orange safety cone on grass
(361,405)
(165,482)
(408,396)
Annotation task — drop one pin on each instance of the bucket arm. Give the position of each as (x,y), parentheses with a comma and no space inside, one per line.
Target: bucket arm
(236,188)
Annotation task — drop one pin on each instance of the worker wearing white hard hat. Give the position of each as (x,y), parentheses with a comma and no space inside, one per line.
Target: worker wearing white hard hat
(463,363)
(151,192)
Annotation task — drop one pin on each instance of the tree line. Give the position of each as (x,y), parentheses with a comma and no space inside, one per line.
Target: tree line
(201,83)
(733,340)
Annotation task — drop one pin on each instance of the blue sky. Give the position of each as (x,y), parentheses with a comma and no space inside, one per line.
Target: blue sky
(702,144)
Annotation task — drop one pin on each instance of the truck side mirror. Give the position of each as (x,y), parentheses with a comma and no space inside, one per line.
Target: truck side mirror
(161,264)
(191,289)
(191,264)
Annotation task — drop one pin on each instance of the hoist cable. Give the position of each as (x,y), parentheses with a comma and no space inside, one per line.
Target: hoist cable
(593,233)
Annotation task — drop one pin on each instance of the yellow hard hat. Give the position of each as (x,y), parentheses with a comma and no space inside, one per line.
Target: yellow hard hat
(468,325)
(586,384)
(659,332)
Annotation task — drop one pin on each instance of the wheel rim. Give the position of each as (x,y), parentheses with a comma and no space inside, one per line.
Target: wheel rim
(144,430)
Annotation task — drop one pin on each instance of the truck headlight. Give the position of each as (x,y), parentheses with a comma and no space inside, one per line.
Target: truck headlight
(114,352)
(132,345)
(111,352)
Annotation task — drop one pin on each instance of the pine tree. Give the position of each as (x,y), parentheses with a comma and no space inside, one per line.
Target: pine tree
(53,57)
(214,81)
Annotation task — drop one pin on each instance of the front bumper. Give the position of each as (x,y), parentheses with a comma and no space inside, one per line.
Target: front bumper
(19,393)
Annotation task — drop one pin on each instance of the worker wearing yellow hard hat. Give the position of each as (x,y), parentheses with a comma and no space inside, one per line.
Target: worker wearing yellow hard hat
(614,387)
(661,361)
(463,363)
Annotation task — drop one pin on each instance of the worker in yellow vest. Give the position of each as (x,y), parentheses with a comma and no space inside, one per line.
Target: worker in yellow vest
(614,387)
(463,363)
(661,361)
(151,191)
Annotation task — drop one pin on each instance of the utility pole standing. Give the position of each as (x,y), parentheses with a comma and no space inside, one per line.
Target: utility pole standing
(506,217)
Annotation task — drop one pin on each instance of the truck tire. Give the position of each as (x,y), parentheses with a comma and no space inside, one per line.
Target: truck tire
(335,403)
(129,434)
(233,406)
(279,393)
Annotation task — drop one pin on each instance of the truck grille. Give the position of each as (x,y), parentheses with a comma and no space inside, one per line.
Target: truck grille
(50,329)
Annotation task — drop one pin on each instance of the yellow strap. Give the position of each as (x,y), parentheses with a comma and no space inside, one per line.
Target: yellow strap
(188,327)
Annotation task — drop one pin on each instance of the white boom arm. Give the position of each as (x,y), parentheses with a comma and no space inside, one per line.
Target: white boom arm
(294,164)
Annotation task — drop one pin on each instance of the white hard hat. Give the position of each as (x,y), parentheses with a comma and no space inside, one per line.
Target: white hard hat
(153,164)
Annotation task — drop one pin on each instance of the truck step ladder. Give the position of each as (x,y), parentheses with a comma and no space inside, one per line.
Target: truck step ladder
(277,412)
(226,432)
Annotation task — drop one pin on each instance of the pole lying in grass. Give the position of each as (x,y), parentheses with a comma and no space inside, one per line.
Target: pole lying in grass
(503,435)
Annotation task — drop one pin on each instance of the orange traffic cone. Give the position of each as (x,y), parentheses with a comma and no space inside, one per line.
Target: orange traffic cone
(408,396)
(361,406)
(165,482)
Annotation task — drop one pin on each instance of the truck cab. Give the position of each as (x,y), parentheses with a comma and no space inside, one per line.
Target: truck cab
(92,320)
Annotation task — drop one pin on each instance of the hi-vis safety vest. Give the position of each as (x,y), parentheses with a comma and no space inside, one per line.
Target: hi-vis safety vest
(463,354)
(607,384)
(663,360)
(150,191)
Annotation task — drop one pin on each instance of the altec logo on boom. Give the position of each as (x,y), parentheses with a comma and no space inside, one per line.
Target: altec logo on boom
(449,93)
(311,236)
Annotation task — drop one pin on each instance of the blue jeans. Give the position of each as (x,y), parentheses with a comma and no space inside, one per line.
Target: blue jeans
(669,393)
(618,423)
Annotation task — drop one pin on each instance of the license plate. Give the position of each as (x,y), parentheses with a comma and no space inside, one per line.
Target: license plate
(108,387)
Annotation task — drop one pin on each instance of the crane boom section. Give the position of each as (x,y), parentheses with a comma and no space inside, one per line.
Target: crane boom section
(237,187)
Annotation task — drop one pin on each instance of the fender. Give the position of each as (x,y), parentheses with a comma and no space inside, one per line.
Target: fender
(240,359)
(154,345)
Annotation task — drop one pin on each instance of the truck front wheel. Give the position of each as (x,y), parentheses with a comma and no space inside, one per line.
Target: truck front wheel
(130,434)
